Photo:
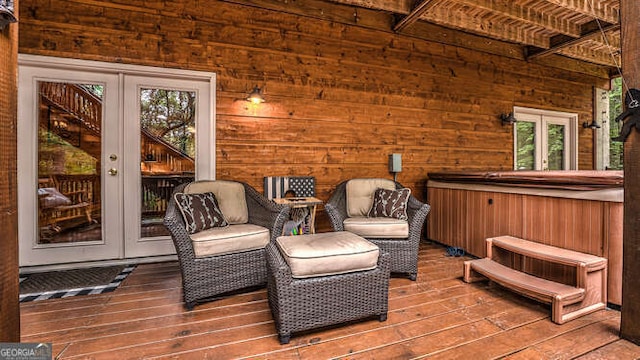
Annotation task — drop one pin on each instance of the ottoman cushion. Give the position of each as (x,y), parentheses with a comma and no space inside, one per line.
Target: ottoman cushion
(327,254)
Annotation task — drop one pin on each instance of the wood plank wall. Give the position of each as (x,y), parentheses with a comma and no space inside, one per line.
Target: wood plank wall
(343,91)
(9,287)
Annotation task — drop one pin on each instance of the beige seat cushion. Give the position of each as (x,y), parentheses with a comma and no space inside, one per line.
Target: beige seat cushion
(359,193)
(230,196)
(230,239)
(327,254)
(377,228)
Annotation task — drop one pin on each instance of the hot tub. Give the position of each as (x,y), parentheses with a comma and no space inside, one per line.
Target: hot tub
(576,210)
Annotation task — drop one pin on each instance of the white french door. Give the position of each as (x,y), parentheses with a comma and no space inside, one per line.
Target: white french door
(545,140)
(167,130)
(57,160)
(101,148)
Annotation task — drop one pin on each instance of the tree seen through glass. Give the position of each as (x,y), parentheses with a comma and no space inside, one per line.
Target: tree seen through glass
(170,116)
(555,151)
(526,145)
(616,148)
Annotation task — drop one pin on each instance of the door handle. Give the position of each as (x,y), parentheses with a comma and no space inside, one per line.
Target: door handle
(113,171)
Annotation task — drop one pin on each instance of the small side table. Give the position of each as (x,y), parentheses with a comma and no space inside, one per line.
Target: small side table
(301,202)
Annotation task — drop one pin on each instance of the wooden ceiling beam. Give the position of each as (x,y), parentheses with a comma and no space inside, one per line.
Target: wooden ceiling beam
(599,57)
(504,30)
(414,15)
(396,7)
(527,15)
(590,8)
(491,19)
(561,42)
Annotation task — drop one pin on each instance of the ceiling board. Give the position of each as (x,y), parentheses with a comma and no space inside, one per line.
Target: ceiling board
(539,26)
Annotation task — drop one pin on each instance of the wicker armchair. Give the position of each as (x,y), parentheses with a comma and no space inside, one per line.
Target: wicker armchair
(404,251)
(207,277)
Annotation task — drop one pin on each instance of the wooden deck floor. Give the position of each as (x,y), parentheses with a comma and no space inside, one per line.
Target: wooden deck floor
(438,316)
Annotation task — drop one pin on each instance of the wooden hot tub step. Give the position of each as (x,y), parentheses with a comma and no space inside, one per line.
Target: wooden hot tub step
(543,290)
(544,252)
(587,294)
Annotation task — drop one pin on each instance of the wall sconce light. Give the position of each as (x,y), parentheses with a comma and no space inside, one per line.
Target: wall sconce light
(508,119)
(594,125)
(255,96)
(6,13)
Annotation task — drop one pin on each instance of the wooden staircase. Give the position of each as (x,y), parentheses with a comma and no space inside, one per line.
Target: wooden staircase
(74,113)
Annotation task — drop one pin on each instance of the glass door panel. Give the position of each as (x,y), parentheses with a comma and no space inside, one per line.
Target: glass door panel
(69,152)
(167,151)
(525,145)
(556,141)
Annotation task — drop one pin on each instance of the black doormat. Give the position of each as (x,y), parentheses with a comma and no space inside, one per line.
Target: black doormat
(59,284)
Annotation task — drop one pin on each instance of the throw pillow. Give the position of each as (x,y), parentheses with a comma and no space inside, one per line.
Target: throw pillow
(51,197)
(200,211)
(390,203)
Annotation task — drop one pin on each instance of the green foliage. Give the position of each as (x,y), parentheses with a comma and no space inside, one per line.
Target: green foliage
(555,138)
(526,145)
(56,157)
(95,89)
(616,148)
(170,115)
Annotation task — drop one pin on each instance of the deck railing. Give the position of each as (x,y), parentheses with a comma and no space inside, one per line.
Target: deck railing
(157,190)
(77,101)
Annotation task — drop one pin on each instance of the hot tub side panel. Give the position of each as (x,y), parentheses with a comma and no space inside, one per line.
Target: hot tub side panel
(465,218)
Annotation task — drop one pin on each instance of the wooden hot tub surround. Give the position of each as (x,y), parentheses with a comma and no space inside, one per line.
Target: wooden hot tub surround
(575,210)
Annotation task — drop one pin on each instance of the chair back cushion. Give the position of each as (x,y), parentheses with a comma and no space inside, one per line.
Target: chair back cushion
(359,194)
(230,196)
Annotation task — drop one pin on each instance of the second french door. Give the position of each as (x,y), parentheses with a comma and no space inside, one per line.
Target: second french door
(167,136)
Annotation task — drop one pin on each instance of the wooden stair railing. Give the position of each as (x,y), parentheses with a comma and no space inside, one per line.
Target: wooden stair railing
(568,301)
(85,107)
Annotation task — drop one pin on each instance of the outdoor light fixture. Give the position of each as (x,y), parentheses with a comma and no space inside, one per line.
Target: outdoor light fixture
(6,13)
(255,96)
(508,119)
(594,125)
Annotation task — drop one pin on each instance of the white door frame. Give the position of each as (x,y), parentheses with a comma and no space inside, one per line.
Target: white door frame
(34,68)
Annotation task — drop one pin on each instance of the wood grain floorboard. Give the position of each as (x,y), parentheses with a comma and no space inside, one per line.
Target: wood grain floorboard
(436,316)
(573,343)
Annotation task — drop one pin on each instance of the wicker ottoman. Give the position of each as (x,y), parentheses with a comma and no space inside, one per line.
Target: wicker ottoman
(316,294)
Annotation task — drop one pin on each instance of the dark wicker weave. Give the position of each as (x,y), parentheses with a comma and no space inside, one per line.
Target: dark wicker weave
(404,252)
(205,278)
(305,304)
